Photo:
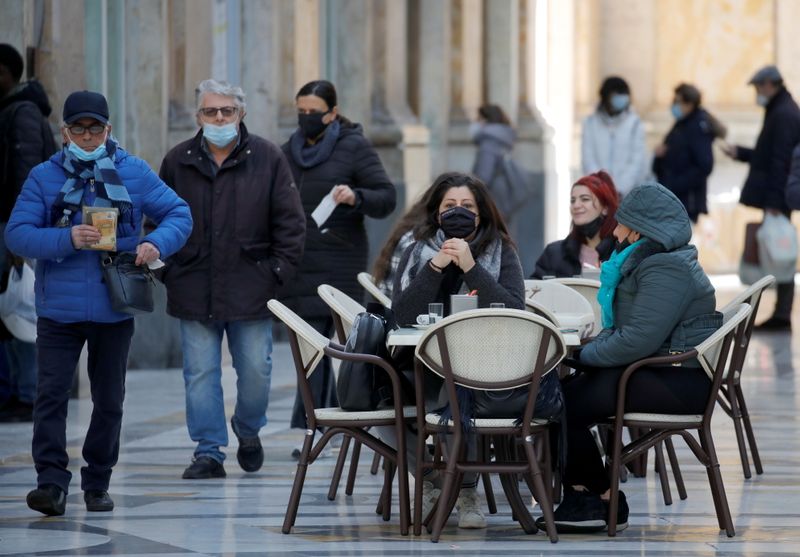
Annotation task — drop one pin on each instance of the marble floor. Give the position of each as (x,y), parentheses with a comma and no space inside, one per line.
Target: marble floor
(159,514)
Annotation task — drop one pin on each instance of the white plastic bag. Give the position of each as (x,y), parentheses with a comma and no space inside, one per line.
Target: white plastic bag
(18,304)
(777,247)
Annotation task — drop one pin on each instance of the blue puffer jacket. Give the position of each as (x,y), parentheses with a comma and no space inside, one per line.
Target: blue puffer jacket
(69,285)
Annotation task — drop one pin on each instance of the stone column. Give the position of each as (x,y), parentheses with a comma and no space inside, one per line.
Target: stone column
(433,83)
(260,69)
(502,56)
(306,42)
(17,25)
(146,79)
(472,78)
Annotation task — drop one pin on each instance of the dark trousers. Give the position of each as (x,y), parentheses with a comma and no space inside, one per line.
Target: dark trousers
(591,397)
(322,381)
(784,299)
(59,347)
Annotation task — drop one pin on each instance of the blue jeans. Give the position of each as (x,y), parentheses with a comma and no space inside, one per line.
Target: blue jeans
(21,357)
(250,344)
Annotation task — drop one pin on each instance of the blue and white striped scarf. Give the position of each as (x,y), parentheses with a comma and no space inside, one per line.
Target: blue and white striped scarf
(110,190)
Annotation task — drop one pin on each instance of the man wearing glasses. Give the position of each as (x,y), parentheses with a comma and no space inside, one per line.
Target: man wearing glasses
(248,238)
(72,301)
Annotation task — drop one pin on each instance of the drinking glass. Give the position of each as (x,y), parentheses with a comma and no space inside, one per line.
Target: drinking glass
(497,305)
(435,312)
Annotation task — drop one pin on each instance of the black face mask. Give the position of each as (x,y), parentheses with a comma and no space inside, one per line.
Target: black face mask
(312,124)
(619,246)
(457,222)
(591,228)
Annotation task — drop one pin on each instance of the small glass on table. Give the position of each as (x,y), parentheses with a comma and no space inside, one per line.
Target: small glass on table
(435,312)
(497,305)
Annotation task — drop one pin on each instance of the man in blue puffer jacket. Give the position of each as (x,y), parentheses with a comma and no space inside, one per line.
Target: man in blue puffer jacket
(72,301)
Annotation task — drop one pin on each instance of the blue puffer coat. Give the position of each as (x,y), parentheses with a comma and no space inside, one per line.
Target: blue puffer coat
(69,285)
(664,303)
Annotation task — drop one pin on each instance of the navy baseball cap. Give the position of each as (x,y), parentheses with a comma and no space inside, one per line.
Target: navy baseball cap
(767,73)
(85,104)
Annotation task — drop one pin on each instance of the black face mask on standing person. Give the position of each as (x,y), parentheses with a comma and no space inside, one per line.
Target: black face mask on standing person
(312,124)
(457,222)
(591,228)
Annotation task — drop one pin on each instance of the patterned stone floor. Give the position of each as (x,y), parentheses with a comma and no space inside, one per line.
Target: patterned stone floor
(159,514)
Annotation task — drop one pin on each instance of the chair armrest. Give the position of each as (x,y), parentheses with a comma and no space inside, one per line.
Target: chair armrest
(622,385)
(334,351)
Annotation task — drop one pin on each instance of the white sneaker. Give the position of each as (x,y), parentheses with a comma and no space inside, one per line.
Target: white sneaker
(430,494)
(469,510)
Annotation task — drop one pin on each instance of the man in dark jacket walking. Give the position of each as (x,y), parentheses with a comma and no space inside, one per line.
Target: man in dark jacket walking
(765,187)
(247,239)
(25,140)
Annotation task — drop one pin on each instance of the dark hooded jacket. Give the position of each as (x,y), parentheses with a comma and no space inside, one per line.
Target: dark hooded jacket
(335,253)
(769,161)
(495,143)
(562,257)
(793,183)
(664,302)
(685,167)
(25,139)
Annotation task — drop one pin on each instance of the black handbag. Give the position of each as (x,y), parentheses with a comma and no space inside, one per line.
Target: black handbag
(361,386)
(130,286)
(510,403)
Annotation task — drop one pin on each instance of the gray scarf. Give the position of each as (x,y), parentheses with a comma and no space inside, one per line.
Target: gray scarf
(424,250)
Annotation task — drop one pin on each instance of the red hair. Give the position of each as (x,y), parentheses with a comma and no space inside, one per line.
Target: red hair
(602,186)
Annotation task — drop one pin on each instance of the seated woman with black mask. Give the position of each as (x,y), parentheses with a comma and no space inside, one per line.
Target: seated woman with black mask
(593,202)
(462,246)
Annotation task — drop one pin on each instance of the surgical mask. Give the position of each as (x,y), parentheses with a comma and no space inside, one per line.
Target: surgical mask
(80,154)
(221,136)
(762,100)
(312,124)
(676,111)
(457,222)
(619,102)
(590,229)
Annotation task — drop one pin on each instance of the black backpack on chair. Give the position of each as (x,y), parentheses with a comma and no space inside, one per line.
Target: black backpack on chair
(362,386)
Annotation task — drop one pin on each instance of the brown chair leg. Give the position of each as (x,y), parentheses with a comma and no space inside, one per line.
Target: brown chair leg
(485,450)
(297,486)
(351,475)
(448,488)
(748,427)
(736,416)
(337,471)
(376,461)
(717,487)
(661,469)
(676,469)
(540,490)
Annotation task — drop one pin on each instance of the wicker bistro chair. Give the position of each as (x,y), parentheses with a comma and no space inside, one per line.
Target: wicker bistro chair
(308,348)
(587,288)
(487,349)
(731,397)
(344,310)
(559,300)
(365,280)
(713,355)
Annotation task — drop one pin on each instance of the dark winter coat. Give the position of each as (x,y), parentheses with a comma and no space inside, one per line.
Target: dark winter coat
(685,167)
(248,230)
(765,186)
(337,252)
(25,140)
(793,183)
(562,257)
(664,302)
(69,282)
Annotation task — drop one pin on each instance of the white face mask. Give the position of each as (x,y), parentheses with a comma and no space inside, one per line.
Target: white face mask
(762,99)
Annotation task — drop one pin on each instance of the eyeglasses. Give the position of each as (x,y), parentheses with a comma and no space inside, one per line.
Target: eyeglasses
(94,129)
(211,111)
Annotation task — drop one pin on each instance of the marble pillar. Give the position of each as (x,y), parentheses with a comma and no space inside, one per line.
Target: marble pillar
(433,81)
(502,56)
(307,64)
(471,44)
(17,24)
(260,66)
(787,45)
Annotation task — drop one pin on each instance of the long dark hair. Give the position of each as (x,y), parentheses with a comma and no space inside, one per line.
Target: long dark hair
(411,220)
(493,114)
(325,90)
(492,224)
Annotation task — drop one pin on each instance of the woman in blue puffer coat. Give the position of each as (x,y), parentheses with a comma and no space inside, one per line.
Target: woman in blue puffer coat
(656,300)
(72,301)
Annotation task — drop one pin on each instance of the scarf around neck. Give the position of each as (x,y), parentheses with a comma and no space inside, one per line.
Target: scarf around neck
(110,190)
(424,250)
(610,276)
(308,156)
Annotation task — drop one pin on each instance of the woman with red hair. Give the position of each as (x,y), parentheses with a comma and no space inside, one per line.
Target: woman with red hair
(593,202)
